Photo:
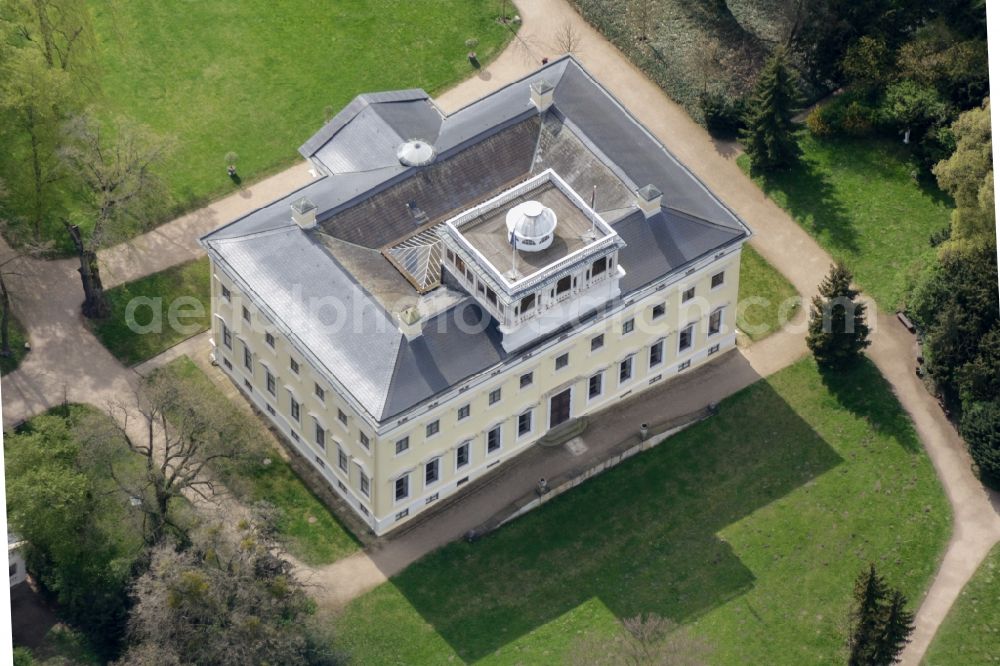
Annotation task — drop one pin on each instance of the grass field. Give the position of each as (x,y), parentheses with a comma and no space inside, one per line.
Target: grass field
(306,526)
(860,200)
(970,634)
(160,317)
(258,78)
(18,336)
(748,528)
(760,280)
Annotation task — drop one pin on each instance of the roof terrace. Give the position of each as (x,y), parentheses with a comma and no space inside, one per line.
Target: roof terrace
(484,232)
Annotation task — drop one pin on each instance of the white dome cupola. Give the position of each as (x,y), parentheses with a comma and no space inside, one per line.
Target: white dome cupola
(532,226)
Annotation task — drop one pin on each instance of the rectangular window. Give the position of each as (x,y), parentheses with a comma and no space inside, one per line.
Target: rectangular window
(341,416)
(227,337)
(596,385)
(628,326)
(459,264)
(365,485)
(684,366)
(656,353)
(402,487)
(295,409)
(294,365)
(269,339)
(246,314)
(659,310)
(718,279)
(432,472)
(493,440)
(688,295)
(491,296)
(225,362)
(527,303)
(524,423)
(270,409)
(320,393)
(526,379)
(341,459)
(402,445)
(625,370)
(597,342)
(562,361)
(463,412)
(462,456)
(271,383)
(226,294)
(320,434)
(686,337)
(494,396)
(599,267)
(715,322)
(247,358)
(433,428)
(365,442)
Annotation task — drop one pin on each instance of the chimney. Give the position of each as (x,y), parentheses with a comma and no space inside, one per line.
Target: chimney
(409,322)
(649,199)
(304,213)
(541,95)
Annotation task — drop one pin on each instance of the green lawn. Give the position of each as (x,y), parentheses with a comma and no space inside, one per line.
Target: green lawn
(172,306)
(18,336)
(321,541)
(749,528)
(769,291)
(860,200)
(258,77)
(970,634)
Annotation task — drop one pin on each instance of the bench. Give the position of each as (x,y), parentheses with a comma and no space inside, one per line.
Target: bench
(905,321)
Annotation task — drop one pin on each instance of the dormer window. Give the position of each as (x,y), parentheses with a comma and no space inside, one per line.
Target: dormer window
(599,267)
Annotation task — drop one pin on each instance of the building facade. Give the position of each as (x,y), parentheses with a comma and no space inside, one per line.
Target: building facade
(451,288)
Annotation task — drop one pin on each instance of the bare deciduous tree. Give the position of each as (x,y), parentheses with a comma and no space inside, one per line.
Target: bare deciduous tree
(116,172)
(229,599)
(643,11)
(179,438)
(59,27)
(643,640)
(568,38)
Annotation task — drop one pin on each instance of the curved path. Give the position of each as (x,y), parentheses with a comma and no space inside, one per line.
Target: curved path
(69,363)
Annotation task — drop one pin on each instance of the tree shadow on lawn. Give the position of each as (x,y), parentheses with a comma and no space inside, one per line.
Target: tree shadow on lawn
(811,200)
(854,389)
(641,537)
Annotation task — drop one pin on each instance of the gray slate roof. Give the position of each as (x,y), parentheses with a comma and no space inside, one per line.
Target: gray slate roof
(362,199)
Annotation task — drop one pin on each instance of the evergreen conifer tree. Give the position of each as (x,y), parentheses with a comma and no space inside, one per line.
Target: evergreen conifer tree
(837,328)
(869,598)
(880,623)
(768,137)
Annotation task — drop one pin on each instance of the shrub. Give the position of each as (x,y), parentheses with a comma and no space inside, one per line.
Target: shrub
(818,123)
(849,113)
(858,119)
(981,430)
(723,115)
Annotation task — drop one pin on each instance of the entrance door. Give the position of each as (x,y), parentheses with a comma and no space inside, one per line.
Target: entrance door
(559,405)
